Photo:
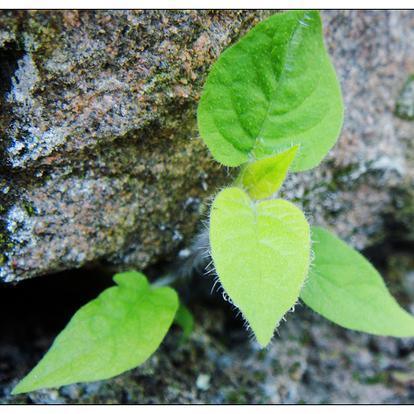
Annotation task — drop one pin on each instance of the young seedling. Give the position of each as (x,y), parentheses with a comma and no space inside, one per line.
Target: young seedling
(271,103)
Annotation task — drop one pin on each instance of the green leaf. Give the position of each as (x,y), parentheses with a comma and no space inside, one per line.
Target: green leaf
(261,179)
(273,89)
(346,289)
(113,333)
(261,254)
(185,320)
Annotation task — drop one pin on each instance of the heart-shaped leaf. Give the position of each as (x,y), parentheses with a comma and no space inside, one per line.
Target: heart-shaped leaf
(113,333)
(273,89)
(346,289)
(262,178)
(261,255)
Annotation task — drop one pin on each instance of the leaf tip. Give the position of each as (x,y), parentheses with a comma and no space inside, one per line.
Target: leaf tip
(263,335)
(16,390)
(31,382)
(21,388)
(264,341)
(131,279)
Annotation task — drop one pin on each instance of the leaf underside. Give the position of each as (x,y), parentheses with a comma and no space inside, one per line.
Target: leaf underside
(261,255)
(346,289)
(273,89)
(113,333)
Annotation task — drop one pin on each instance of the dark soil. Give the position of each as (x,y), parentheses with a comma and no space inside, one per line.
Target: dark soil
(309,361)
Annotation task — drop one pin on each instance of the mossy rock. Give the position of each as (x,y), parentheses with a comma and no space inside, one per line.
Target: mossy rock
(101,162)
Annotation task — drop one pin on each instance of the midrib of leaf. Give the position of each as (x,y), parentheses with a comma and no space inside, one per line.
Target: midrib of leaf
(279,81)
(358,299)
(258,242)
(256,238)
(343,288)
(270,99)
(104,338)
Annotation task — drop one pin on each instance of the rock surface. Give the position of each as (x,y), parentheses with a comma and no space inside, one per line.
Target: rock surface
(100,154)
(101,159)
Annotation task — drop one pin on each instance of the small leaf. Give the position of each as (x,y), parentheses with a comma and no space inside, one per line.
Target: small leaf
(113,333)
(346,289)
(273,89)
(185,320)
(261,255)
(261,179)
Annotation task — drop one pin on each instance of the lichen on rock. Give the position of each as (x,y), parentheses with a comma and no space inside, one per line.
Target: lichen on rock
(405,102)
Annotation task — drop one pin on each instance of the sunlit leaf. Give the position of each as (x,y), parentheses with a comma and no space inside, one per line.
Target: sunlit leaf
(273,89)
(261,254)
(346,289)
(113,333)
(262,178)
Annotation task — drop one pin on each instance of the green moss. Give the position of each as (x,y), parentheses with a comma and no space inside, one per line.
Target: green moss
(236,397)
(45,32)
(404,108)
(259,376)
(340,176)
(6,243)
(28,206)
(295,371)
(277,367)
(379,378)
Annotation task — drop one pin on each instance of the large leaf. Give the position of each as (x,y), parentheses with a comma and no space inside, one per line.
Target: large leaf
(113,333)
(261,255)
(262,178)
(346,289)
(273,89)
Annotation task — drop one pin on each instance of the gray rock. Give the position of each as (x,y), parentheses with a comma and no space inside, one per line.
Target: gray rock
(100,155)
(101,158)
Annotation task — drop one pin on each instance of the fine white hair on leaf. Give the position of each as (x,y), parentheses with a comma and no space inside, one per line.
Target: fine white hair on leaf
(226,297)
(209,265)
(206,223)
(252,336)
(238,313)
(214,285)
(210,271)
(304,282)
(206,254)
(199,255)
